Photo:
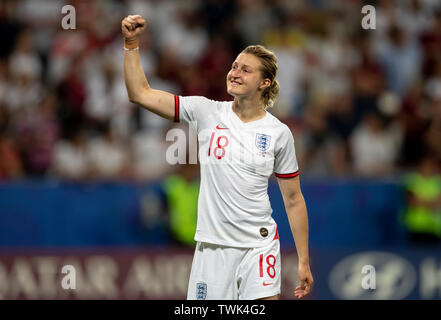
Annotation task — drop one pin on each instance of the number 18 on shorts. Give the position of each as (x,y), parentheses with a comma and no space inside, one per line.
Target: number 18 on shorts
(220,272)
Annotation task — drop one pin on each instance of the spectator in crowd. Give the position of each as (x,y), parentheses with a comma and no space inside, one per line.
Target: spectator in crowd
(432,137)
(430,41)
(37,133)
(342,120)
(374,146)
(321,150)
(401,58)
(182,191)
(433,84)
(423,211)
(10,163)
(414,120)
(287,42)
(253,18)
(70,160)
(108,157)
(147,165)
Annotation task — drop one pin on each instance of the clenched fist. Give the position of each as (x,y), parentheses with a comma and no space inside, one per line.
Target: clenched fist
(132,26)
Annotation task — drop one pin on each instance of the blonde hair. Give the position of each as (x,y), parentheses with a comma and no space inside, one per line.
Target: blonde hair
(269,70)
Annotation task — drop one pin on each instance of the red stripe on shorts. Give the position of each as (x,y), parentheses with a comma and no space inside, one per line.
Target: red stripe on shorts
(260,264)
(277,234)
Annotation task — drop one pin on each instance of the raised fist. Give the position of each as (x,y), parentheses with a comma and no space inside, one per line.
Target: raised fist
(132,26)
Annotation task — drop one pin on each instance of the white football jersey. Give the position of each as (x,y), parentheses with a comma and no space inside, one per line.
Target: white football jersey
(236,160)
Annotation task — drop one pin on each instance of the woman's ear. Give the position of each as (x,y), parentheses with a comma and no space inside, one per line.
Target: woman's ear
(265,84)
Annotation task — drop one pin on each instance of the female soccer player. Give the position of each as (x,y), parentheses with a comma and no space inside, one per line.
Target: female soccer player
(237,253)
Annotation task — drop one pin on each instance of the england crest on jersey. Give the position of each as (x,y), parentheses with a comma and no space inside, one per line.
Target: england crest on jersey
(262,141)
(201,291)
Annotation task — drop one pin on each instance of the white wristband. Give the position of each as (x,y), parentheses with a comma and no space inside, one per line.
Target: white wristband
(134,49)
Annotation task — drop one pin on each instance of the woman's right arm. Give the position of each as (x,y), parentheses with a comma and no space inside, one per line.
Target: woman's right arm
(160,102)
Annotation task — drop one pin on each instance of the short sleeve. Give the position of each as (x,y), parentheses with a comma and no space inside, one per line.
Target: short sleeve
(285,162)
(191,109)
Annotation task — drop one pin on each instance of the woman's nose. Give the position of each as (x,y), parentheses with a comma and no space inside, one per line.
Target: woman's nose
(235,73)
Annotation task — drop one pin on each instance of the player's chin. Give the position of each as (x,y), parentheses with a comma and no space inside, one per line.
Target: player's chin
(235,92)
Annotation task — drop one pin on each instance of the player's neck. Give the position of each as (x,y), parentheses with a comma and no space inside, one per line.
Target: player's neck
(248,110)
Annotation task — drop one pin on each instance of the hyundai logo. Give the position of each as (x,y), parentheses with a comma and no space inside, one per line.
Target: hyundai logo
(395,277)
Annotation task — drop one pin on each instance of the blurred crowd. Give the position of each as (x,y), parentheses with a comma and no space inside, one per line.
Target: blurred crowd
(359,102)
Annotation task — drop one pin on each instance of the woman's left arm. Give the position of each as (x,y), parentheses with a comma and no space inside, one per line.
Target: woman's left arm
(298,220)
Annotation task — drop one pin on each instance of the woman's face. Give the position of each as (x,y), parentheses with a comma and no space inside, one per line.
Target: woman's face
(245,78)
